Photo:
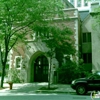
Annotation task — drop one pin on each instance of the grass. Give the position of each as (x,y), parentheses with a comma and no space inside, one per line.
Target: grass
(46,88)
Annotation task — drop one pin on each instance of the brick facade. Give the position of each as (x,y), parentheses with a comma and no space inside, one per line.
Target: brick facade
(29,55)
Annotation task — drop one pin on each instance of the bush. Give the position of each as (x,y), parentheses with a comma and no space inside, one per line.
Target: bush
(70,71)
(14,75)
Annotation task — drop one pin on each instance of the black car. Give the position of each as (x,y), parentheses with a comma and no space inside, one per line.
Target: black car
(83,85)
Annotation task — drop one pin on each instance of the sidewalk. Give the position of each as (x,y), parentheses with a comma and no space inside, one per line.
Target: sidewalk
(60,88)
(34,88)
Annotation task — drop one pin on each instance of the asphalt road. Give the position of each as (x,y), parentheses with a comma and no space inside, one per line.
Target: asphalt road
(46,97)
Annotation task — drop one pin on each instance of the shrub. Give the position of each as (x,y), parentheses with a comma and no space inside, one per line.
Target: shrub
(70,71)
(14,75)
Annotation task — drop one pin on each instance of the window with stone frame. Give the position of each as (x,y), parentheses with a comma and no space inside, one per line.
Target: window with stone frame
(18,61)
(72,2)
(86,37)
(85,3)
(87,57)
(79,3)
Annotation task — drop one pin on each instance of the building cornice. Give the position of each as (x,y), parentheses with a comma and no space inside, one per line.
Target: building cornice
(70,9)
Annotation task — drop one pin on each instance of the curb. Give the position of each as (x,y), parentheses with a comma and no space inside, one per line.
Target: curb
(50,91)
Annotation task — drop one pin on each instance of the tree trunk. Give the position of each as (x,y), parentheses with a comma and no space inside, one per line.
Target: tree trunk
(2,76)
(49,78)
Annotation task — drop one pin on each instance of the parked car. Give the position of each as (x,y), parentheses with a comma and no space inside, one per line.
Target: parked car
(83,85)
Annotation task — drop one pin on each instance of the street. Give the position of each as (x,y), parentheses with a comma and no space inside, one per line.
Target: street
(53,96)
(28,91)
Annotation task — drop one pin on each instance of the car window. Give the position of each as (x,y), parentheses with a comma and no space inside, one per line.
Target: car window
(90,77)
(94,76)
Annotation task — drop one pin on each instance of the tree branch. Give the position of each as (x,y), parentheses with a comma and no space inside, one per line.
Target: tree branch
(13,44)
(18,29)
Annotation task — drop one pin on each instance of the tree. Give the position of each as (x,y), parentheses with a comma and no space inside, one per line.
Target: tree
(57,39)
(60,42)
(95,13)
(17,17)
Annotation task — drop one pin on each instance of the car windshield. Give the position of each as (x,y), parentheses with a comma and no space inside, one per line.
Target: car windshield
(97,74)
(90,76)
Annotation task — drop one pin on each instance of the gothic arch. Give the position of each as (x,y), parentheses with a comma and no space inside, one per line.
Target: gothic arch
(38,67)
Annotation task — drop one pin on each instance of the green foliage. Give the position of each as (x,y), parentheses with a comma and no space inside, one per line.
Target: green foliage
(70,71)
(59,37)
(17,15)
(95,18)
(56,37)
(14,75)
(18,18)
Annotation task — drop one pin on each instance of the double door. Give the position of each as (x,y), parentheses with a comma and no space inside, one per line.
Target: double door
(41,69)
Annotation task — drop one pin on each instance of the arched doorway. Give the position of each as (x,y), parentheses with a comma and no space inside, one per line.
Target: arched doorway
(41,69)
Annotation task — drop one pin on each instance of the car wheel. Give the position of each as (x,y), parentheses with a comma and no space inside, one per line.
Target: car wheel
(81,90)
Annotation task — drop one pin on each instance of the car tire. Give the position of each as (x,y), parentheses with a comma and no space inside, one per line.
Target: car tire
(81,89)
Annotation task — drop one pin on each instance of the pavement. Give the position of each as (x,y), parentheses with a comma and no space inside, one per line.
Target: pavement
(35,88)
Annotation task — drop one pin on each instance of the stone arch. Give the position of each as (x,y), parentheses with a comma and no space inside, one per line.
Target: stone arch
(33,58)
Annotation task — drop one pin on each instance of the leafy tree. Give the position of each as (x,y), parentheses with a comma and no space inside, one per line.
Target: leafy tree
(58,40)
(17,18)
(60,43)
(96,17)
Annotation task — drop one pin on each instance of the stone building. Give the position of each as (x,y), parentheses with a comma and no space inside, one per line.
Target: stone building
(34,63)
(31,59)
(89,39)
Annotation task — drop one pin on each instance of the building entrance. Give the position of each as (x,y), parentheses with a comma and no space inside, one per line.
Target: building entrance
(41,69)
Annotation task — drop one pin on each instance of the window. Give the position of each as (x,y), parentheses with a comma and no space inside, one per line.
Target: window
(85,3)
(87,57)
(72,2)
(78,3)
(89,37)
(41,35)
(86,37)
(18,61)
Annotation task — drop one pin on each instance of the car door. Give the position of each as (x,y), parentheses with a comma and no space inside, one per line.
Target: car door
(90,83)
(97,82)
(94,82)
